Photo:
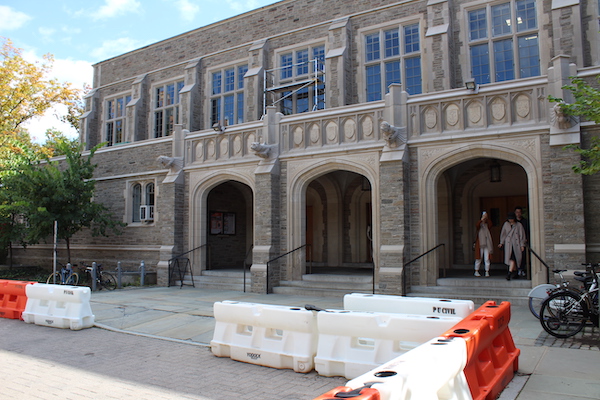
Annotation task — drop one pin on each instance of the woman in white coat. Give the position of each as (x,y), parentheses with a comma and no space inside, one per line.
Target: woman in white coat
(512,239)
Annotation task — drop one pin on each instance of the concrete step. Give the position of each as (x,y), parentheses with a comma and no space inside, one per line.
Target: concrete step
(477,289)
(221,279)
(327,285)
(296,291)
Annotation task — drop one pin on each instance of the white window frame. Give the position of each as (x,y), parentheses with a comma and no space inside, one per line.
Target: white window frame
(490,39)
(402,57)
(145,206)
(116,118)
(166,110)
(238,93)
(301,70)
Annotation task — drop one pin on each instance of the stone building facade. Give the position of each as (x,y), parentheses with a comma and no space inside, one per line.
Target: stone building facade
(351,134)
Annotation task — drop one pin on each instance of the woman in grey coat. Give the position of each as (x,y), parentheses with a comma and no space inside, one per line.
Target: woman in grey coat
(512,238)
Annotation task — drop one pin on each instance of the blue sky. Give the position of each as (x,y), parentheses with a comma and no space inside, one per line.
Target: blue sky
(81,33)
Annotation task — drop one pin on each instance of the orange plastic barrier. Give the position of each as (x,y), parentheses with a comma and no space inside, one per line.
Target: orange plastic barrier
(344,392)
(492,357)
(13,298)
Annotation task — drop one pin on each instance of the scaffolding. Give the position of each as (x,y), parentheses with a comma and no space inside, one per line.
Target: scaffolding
(275,84)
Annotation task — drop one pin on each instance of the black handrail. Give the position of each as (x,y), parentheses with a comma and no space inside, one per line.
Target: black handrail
(543,263)
(175,260)
(244,265)
(277,258)
(412,261)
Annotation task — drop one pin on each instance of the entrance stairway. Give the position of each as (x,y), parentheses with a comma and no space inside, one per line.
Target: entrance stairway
(327,285)
(223,279)
(477,289)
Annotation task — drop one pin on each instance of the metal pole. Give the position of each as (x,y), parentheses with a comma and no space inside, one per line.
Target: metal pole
(142,273)
(119,275)
(94,275)
(54,253)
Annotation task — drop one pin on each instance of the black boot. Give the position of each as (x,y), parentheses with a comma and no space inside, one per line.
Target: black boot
(508,276)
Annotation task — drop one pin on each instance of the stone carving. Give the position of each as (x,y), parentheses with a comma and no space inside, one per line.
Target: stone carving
(175,164)
(393,135)
(260,149)
(559,118)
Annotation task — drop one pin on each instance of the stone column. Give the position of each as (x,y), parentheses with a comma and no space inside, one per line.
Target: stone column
(393,194)
(254,83)
(136,123)
(566,29)
(437,46)
(190,97)
(169,208)
(267,212)
(336,61)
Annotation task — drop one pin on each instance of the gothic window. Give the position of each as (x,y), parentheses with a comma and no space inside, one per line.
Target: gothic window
(166,108)
(503,41)
(115,120)
(392,55)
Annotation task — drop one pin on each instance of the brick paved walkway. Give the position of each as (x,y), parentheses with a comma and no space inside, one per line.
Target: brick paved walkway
(42,362)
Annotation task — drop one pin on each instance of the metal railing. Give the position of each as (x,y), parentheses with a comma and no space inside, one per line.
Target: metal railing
(245,265)
(277,258)
(404,267)
(175,266)
(543,263)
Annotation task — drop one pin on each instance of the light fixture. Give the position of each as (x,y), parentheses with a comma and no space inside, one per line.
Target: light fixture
(218,127)
(495,172)
(471,85)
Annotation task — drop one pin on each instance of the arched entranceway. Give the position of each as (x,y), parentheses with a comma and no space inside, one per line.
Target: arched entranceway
(339,223)
(229,229)
(440,170)
(467,189)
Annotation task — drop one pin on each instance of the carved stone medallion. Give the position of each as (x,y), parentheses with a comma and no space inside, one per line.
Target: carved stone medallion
(452,114)
(367,127)
(332,131)
(211,149)
(298,136)
(474,111)
(224,147)
(237,145)
(315,134)
(430,118)
(498,109)
(350,129)
(199,151)
(522,106)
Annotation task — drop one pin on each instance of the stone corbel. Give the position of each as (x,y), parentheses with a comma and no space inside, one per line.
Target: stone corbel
(395,142)
(175,166)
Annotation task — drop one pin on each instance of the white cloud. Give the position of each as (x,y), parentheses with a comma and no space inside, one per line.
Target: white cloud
(76,72)
(11,19)
(112,48)
(116,8)
(187,9)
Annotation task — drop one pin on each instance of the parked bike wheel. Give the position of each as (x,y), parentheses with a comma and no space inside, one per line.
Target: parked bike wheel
(108,281)
(54,278)
(563,314)
(537,295)
(73,279)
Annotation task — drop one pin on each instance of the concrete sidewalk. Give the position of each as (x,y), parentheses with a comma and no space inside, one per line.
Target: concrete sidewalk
(549,368)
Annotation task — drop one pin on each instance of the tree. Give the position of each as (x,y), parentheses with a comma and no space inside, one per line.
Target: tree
(25,90)
(587,105)
(62,192)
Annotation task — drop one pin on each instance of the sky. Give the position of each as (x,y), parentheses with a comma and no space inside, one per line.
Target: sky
(81,33)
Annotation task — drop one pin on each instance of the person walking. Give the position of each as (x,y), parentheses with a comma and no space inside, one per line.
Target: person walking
(483,247)
(521,219)
(512,239)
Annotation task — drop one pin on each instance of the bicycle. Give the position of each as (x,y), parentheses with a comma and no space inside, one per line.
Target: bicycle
(66,276)
(565,312)
(104,280)
(538,294)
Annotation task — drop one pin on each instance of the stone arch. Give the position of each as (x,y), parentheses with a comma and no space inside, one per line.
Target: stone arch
(198,209)
(297,189)
(433,172)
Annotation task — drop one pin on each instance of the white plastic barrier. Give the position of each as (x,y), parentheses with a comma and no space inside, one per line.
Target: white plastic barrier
(59,306)
(269,335)
(352,343)
(432,371)
(408,305)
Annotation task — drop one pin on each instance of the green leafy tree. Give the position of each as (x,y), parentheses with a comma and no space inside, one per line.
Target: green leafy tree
(62,192)
(586,105)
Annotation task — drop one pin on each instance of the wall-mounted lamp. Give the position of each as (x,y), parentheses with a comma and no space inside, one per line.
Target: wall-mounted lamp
(472,86)
(218,127)
(495,172)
